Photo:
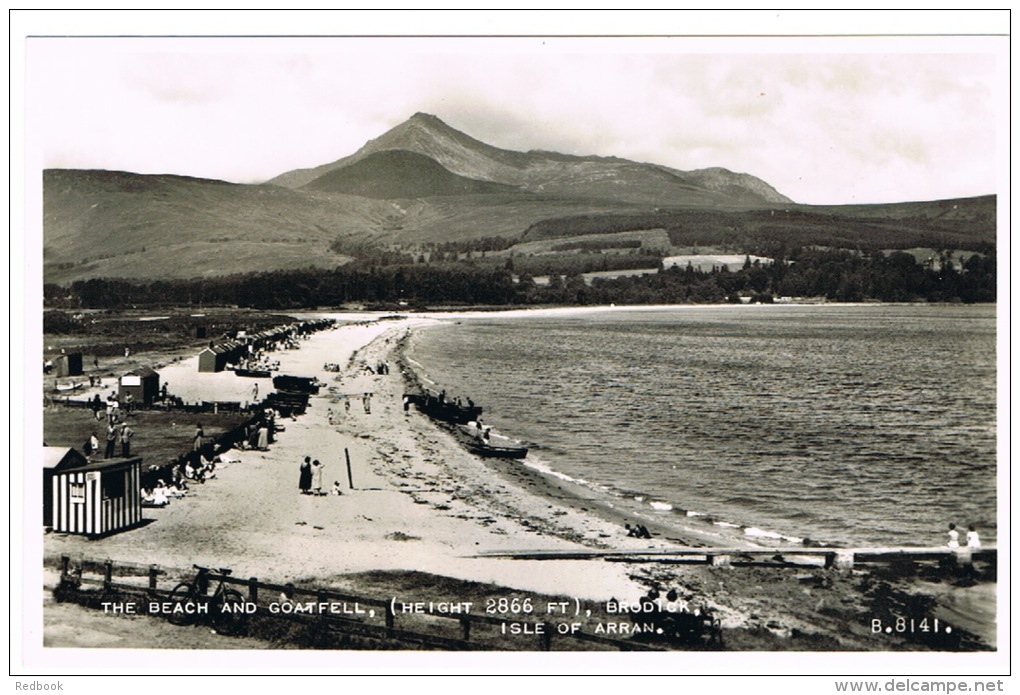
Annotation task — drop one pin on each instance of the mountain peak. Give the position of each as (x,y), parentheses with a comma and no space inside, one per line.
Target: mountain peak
(426,117)
(547,172)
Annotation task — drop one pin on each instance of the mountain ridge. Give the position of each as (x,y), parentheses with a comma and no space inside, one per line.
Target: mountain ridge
(535,170)
(425,184)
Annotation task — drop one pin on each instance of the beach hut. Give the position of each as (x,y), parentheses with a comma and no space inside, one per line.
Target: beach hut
(142,384)
(207,360)
(90,498)
(216,357)
(68,365)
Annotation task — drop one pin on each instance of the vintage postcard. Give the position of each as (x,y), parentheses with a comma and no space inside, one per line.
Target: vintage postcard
(468,347)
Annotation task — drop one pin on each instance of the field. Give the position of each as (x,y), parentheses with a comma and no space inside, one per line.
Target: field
(160,436)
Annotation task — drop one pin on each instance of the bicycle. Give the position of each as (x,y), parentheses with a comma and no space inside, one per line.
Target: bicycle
(189,602)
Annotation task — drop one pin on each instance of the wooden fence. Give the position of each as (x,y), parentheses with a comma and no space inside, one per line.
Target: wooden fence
(340,616)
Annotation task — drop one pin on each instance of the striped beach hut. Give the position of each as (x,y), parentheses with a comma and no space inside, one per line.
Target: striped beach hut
(90,498)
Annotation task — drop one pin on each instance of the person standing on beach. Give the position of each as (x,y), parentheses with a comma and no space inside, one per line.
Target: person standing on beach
(199,436)
(367,402)
(126,433)
(305,478)
(317,469)
(954,536)
(347,405)
(255,393)
(111,439)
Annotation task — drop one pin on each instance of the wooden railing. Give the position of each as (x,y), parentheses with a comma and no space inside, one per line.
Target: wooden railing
(108,585)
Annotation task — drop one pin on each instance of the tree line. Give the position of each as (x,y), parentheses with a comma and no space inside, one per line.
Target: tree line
(836,275)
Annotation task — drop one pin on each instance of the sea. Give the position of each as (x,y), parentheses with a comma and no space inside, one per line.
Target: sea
(863,425)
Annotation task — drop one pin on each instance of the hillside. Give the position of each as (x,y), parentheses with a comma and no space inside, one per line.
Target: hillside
(118,224)
(400,174)
(951,224)
(426,185)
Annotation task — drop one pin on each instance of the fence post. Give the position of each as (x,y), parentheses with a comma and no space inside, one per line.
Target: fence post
(389,620)
(253,589)
(65,566)
(107,574)
(153,574)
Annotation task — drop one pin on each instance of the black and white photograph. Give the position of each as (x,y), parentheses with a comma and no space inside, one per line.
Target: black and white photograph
(668,347)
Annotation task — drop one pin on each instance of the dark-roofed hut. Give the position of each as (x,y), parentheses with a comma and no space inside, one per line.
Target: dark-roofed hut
(215,358)
(68,365)
(93,499)
(142,384)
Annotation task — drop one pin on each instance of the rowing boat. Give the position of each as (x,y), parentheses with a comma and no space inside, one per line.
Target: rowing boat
(495,451)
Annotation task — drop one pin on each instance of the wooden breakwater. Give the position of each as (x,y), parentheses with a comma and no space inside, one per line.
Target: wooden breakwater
(840,558)
(325,618)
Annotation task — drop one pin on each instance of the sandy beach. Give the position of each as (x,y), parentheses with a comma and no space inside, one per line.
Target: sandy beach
(421,502)
(410,481)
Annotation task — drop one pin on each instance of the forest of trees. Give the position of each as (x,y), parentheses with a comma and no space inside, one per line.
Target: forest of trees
(836,275)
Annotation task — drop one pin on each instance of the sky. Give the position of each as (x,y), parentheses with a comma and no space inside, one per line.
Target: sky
(830,120)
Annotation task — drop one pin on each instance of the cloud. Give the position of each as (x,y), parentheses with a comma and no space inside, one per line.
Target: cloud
(820,127)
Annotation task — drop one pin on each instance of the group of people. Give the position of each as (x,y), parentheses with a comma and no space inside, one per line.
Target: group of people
(675,619)
(380,368)
(161,494)
(198,468)
(195,468)
(366,404)
(973,539)
(638,531)
(116,432)
(310,477)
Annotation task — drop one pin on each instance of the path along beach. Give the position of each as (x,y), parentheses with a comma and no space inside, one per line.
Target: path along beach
(420,500)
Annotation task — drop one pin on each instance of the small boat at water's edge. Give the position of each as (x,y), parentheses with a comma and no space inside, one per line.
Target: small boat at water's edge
(495,451)
(439,408)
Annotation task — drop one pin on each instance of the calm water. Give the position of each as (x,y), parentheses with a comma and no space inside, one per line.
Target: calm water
(852,424)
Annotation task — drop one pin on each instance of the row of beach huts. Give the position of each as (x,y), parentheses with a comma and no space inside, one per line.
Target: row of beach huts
(97,498)
(217,356)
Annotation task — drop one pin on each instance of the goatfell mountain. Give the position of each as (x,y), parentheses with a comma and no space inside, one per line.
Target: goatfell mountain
(548,173)
(424,182)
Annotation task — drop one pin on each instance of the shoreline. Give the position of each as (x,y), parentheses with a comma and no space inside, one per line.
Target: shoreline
(561,489)
(422,503)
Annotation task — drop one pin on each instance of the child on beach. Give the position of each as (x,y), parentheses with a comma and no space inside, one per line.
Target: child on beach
(336,488)
(317,468)
(973,540)
(954,536)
